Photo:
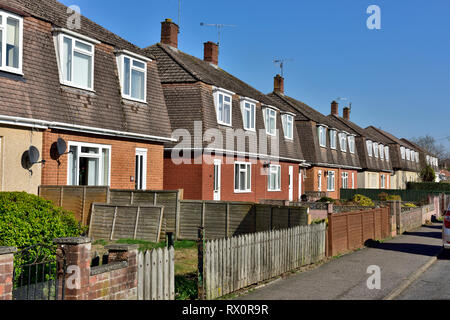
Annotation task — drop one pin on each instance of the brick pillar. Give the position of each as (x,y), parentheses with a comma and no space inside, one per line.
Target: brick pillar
(6,272)
(77,252)
(393,217)
(129,253)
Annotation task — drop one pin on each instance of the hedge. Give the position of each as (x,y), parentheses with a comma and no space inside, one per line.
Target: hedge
(429,186)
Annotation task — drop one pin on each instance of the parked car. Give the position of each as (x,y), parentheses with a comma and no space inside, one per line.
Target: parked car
(446,229)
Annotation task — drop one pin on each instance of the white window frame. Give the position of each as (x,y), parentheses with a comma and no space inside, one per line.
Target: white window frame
(333,139)
(226,94)
(274,169)
(351,144)
(60,42)
(408,154)
(343,141)
(143,152)
(99,156)
(403,152)
(322,133)
(344,180)
(369,146)
(383,181)
(381,147)
(319,177)
(386,153)
(250,107)
(353,180)
(270,113)
(3,27)
(248,171)
(288,118)
(121,66)
(375,150)
(332,175)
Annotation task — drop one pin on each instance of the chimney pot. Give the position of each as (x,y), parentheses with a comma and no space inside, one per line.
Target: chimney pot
(211,52)
(335,108)
(347,113)
(169,33)
(278,85)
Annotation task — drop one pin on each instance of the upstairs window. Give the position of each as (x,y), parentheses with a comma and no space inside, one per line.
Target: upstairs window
(375,149)
(274,178)
(248,115)
(381,151)
(369,148)
(133,77)
(322,133)
(288,126)
(76,58)
(417,157)
(386,153)
(408,154)
(343,141)
(333,139)
(403,151)
(223,103)
(11,47)
(351,144)
(270,119)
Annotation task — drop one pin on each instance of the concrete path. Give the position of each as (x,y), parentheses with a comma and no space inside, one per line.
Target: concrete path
(346,277)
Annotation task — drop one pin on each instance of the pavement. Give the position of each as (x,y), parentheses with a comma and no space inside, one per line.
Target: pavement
(345,278)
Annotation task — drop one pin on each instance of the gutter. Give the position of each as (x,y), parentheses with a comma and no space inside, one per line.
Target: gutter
(42,124)
(335,166)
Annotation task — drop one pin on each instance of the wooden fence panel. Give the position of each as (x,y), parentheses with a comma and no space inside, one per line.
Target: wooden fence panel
(235,263)
(156,274)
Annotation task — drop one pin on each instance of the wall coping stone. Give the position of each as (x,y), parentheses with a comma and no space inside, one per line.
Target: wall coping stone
(7,250)
(73,240)
(122,247)
(108,267)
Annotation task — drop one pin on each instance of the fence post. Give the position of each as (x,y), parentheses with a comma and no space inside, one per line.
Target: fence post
(6,272)
(200,247)
(169,239)
(330,234)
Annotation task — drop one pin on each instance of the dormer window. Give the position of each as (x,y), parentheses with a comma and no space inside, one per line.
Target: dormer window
(76,59)
(408,154)
(369,148)
(288,126)
(375,149)
(402,152)
(351,144)
(343,141)
(270,119)
(223,102)
(133,77)
(386,153)
(381,151)
(322,133)
(11,47)
(248,114)
(333,139)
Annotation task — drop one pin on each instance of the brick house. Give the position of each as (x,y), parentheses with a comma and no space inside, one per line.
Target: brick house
(99,93)
(425,158)
(405,159)
(374,156)
(237,145)
(327,145)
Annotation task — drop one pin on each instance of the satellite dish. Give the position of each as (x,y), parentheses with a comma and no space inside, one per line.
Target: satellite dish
(62,146)
(33,154)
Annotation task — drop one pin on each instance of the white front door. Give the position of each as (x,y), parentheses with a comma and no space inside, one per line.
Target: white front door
(141,169)
(217,179)
(291,183)
(300,184)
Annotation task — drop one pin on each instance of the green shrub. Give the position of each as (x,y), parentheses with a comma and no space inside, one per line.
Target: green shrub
(427,174)
(389,197)
(326,199)
(429,186)
(26,220)
(363,201)
(409,205)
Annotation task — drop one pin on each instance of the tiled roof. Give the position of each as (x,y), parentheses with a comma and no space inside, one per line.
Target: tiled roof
(386,136)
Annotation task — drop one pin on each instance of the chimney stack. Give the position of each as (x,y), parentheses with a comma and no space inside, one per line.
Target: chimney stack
(347,113)
(169,33)
(278,85)
(211,52)
(335,108)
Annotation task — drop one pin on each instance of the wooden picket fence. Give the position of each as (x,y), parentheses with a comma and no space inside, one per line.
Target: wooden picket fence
(235,263)
(156,274)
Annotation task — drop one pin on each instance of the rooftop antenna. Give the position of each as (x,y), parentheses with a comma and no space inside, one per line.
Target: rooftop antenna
(179,12)
(281,63)
(219,28)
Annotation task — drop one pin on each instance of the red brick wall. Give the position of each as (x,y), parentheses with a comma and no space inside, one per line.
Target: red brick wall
(6,275)
(197,181)
(123,152)
(312,180)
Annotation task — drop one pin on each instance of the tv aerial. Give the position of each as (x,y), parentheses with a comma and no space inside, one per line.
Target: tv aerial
(345,99)
(219,28)
(281,63)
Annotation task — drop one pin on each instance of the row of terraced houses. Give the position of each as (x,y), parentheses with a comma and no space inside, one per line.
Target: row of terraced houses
(122,111)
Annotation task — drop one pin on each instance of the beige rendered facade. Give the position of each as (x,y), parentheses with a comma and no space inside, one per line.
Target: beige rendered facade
(14,142)
(399,180)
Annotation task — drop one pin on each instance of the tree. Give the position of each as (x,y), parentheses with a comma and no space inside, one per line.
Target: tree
(427,174)
(429,143)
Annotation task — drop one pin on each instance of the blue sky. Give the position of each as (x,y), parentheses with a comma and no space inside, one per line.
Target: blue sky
(397,78)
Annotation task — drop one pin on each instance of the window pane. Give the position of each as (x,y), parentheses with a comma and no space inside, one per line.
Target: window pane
(236,177)
(12,43)
(105,153)
(67,59)
(220,106)
(1,46)
(137,84)
(227,115)
(138,64)
(82,69)
(126,76)
(73,166)
(248,177)
(83,46)
(252,116)
(89,150)
(242,180)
